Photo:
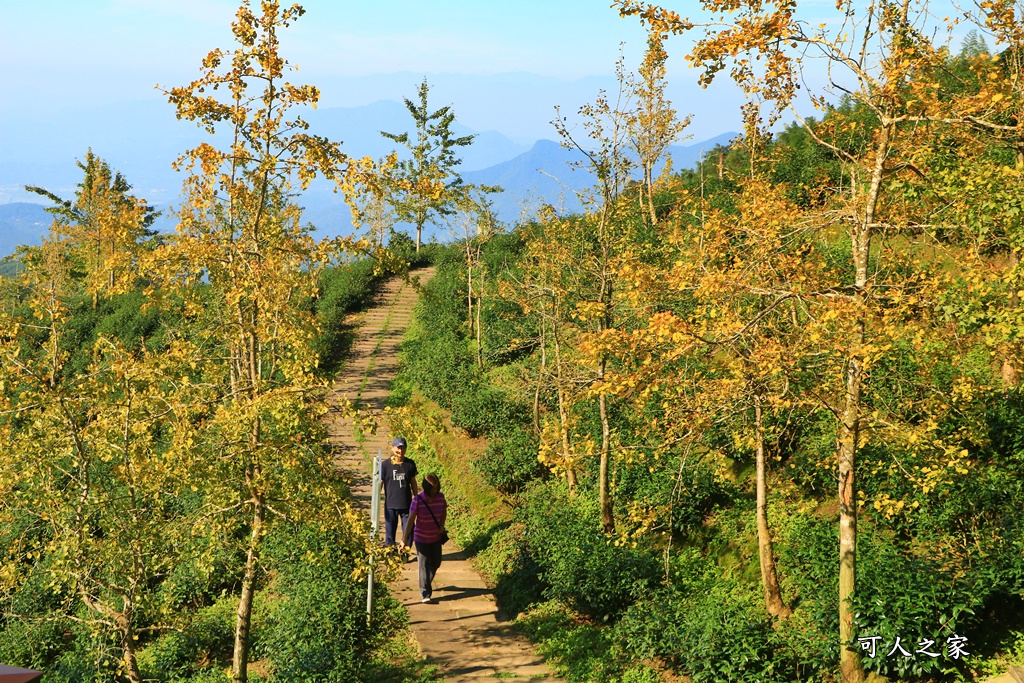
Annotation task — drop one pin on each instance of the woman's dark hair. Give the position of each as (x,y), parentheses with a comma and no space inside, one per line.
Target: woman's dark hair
(431,484)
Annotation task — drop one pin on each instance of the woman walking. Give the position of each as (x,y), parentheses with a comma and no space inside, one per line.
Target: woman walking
(427,515)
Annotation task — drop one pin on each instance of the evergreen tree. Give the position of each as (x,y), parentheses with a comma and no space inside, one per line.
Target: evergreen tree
(427,185)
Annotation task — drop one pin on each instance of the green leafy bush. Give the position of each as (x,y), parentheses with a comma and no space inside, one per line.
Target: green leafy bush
(912,598)
(580,651)
(442,367)
(205,642)
(316,626)
(686,487)
(510,462)
(482,410)
(442,308)
(711,628)
(508,565)
(580,565)
(343,289)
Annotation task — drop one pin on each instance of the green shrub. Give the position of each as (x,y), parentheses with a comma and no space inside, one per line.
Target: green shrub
(580,565)
(442,308)
(507,564)
(402,246)
(205,642)
(316,626)
(910,597)
(510,462)
(581,651)
(715,629)
(442,367)
(686,487)
(343,289)
(33,643)
(482,410)
(125,320)
(87,656)
(806,647)
(807,557)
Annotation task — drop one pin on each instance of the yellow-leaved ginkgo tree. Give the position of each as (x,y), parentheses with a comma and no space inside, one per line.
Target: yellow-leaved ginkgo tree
(245,265)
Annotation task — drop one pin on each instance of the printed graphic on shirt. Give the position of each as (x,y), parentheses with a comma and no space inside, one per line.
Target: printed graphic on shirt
(397,479)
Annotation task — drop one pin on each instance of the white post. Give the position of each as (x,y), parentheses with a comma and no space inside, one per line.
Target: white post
(375,513)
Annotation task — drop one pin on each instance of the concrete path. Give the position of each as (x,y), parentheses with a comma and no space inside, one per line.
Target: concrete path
(463,634)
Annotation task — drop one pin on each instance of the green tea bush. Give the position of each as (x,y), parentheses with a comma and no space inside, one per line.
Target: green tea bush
(580,650)
(205,641)
(687,488)
(441,365)
(33,622)
(510,462)
(808,647)
(316,627)
(807,557)
(508,565)
(711,628)
(481,410)
(33,643)
(580,565)
(124,319)
(87,656)
(912,597)
(442,309)
(343,289)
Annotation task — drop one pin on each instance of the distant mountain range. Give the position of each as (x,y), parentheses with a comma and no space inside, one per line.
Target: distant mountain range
(143,140)
(551,174)
(22,223)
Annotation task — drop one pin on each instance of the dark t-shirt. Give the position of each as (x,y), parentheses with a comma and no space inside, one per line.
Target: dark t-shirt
(396,478)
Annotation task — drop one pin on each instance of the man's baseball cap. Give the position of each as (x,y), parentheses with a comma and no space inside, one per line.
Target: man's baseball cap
(399,442)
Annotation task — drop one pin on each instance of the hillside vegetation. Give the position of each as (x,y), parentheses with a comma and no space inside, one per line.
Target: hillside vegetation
(758,420)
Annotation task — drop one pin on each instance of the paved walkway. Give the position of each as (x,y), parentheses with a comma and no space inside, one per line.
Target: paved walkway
(463,634)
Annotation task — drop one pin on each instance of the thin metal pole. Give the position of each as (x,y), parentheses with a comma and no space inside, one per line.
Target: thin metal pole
(374,530)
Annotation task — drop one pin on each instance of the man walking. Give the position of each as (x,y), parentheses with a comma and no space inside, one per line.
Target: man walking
(398,481)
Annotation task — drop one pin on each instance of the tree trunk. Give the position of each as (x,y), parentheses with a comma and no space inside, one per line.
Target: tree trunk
(850,667)
(1008,373)
(563,416)
(607,520)
(479,303)
(769,579)
(240,663)
(649,183)
(131,664)
(469,291)
(540,377)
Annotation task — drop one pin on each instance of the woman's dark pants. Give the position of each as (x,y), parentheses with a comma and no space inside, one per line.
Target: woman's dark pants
(429,557)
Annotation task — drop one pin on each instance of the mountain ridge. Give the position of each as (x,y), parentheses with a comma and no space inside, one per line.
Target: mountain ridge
(530,174)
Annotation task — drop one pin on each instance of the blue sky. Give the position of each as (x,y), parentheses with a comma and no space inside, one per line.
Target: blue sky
(502,64)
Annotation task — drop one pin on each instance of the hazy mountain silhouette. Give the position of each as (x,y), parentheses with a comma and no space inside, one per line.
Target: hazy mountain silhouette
(549,173)
(22,223)
(141,140)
